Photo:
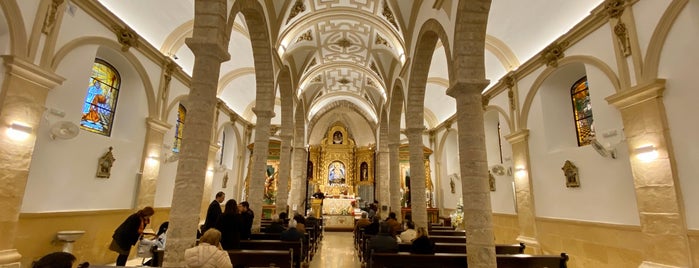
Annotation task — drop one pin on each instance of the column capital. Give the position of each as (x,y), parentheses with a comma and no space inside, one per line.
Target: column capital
(28,71)
(635,95)
(263,113)
(204,47)
(518,136)
(214,147)
(472,86)
(158,125)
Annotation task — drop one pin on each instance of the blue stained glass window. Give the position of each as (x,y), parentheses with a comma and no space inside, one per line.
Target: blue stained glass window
(179,128)
(582,111)
(101,100)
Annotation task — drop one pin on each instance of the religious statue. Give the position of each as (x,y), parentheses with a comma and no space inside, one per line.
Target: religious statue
(571,173)
(337,137)
(104,164)
(224,184)
(337,173)
(491,181)
(364,172)
(452,185)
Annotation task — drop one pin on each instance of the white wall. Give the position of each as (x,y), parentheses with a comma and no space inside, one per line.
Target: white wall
(67,167)
(678,66)
(607,192)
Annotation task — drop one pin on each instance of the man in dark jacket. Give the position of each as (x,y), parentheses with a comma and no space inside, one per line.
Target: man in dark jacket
(247,215)
(213,212)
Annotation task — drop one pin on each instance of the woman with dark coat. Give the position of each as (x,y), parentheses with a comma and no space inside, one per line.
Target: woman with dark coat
(127,234)
(422,244)
(230,224)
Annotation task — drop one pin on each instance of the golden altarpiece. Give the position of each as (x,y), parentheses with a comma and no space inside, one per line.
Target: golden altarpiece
(404,158)
(344,172)
(271,178)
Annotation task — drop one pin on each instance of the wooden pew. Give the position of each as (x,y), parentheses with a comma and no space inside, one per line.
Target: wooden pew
(447,233)
(447,239)
(461,248)
(298,248)
(261,258)
(458,260)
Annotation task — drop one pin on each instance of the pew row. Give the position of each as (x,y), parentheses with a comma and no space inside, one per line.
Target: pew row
(458,260)
(262,258)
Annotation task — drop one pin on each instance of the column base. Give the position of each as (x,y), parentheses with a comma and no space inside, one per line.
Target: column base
(647,264)
(531,243)
(10,258)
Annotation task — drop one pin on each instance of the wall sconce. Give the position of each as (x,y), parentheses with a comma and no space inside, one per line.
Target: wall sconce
(520,172)
(18,131)
(646,153)
(152,160)
(209,172)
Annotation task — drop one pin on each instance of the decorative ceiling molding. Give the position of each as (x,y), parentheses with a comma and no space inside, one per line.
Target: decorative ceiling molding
(339,104)
(307,36)
(380,41)
(388,14)
(322,69)
(298,7)
(127,37)
(553,53)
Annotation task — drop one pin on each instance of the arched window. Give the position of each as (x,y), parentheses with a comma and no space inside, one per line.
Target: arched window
(582,111)
(100,102)
(181,114)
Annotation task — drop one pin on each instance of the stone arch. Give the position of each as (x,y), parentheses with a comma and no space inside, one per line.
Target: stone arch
(231,76)
(395,111)
(657,40)
(15,24)
(258,28)
(502,112)
(113,45)
(286,93)
(430,32)
(469,41)
(587,60)
(175,40)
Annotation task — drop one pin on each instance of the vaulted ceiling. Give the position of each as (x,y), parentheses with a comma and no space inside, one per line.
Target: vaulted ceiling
(347,51)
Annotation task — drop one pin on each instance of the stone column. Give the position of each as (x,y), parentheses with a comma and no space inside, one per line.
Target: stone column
(298,177)
(242,156)
(258,167)
(394,178)
(150,168)
(417,177)
(383,177)
(478,222)
(208,181)
(524,193)
(658,192)
(208,44)
(284,173)
(24,92)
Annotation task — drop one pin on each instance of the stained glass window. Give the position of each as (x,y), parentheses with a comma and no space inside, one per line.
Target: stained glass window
(100,102)
(582,110)
(179,128)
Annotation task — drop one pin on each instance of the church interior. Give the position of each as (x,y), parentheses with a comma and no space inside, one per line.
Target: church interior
(556,124)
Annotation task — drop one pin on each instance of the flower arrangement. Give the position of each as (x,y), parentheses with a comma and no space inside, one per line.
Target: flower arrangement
(457,217)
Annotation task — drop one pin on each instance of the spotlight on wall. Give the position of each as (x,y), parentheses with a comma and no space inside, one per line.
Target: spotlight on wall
(18,131)
(646,153)
(520,172)
(152,159)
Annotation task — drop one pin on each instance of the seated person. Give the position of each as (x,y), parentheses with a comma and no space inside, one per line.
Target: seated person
(277,226)
(373,227)
(383,242)
(291,233)
(55,260)
(208,253)
(409,234)
(284,218)
(363,222)
(394,224)
(422,244)
(300,223)
(311,220)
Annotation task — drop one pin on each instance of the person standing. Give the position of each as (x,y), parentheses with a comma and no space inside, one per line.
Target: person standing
(247,215)
(230,225)
(127,234)
(213,212)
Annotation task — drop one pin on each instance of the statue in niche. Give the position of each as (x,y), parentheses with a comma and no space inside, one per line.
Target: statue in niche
(491,181)
(104,164)
(364,172)
(452,185)
(337,137)
(571,173)
(336,174)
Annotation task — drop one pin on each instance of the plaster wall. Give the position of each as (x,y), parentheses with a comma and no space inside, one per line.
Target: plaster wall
(68,167)
(646,15)
(678,66)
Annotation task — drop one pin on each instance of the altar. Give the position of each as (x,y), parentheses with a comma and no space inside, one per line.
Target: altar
(338,213)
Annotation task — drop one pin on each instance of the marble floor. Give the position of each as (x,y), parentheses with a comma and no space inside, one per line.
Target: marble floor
(336,251)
